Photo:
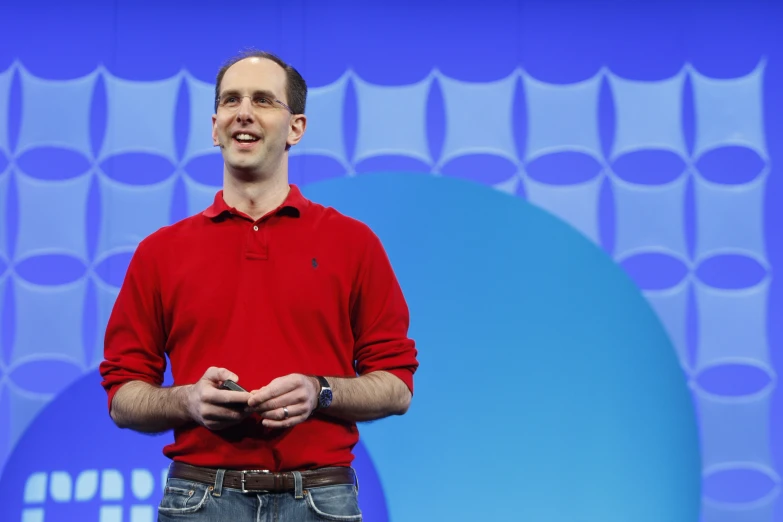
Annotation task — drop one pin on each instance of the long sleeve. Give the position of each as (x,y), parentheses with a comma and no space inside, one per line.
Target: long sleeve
(380,318)
(135,336)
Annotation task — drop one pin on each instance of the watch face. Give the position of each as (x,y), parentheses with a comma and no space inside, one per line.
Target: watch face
(325,399)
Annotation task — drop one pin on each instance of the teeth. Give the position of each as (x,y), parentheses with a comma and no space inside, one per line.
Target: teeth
(245,137)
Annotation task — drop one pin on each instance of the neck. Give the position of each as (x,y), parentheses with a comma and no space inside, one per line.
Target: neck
(254,197)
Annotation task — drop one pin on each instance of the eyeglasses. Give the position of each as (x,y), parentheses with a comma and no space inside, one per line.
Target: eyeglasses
(257,101)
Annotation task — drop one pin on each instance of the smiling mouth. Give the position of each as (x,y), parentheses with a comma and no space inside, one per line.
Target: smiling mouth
(243,137)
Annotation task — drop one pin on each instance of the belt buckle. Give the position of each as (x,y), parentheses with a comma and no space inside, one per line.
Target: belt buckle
(242,478)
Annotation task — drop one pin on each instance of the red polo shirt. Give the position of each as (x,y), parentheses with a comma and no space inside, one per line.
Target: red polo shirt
(304,289)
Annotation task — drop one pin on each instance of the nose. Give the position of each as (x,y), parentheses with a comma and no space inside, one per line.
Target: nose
(245,110)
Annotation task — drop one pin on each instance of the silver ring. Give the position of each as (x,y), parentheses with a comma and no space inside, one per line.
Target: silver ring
(285,412)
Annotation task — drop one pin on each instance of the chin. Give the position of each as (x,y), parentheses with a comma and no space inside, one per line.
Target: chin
(242,163)
(246,171)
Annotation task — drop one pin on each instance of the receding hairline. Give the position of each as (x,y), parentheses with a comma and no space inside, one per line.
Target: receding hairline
(259,58)
(295,85)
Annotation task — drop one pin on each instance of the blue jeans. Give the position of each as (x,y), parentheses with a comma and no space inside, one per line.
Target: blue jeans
(184,500)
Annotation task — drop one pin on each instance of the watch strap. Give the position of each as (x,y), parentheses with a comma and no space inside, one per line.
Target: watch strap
(324,383)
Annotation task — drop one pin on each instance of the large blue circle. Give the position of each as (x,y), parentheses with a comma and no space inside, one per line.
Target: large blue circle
(548,389)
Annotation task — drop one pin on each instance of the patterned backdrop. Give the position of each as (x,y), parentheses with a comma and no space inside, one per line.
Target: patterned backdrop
(671,174)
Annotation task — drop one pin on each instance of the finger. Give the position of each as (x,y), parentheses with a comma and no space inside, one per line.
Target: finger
(217,426)
(218,375)
(290,398)
(221,424)
(223,413)
(211,394)
(276,388)
(218,417)
(228,397)
(287,423)
(294,410)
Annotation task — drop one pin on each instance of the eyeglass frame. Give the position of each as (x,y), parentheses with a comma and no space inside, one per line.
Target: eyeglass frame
(217,100)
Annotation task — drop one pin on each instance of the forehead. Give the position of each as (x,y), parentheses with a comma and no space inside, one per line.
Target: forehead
(255,74)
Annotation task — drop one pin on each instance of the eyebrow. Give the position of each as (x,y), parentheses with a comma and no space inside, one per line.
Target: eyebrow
(261,92)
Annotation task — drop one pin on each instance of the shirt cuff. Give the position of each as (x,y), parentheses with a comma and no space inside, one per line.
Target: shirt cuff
(403,374)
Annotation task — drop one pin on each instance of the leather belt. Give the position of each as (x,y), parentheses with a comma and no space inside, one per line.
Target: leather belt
(264,480)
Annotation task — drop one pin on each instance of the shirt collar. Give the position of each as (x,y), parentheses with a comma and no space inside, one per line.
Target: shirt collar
(295,203)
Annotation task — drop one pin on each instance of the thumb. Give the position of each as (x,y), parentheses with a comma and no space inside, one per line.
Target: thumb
(219,375)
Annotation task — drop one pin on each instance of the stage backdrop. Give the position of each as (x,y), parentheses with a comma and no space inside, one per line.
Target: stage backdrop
(581,203)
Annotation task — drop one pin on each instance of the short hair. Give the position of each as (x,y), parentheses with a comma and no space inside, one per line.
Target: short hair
(296,88)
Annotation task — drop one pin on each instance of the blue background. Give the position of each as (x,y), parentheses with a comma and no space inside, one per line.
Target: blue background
(649,130)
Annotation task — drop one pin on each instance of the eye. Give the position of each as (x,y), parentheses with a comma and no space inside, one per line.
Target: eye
(230,100)
(262,101)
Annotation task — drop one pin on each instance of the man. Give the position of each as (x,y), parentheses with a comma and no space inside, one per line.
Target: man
(287,298)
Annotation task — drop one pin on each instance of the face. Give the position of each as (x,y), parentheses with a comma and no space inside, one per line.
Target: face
(254,140)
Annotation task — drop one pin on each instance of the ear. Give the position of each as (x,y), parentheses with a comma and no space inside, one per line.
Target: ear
(297,129)
(215,141)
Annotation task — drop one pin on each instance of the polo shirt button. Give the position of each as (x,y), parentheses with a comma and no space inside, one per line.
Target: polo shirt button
(255,228)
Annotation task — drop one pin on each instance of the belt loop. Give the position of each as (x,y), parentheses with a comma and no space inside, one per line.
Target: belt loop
(355,479)
(298,494)
(218,490)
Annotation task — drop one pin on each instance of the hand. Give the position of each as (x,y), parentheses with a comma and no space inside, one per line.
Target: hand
(212,407)
(297,393)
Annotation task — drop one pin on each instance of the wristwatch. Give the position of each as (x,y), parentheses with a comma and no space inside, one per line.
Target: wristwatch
(325,395)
